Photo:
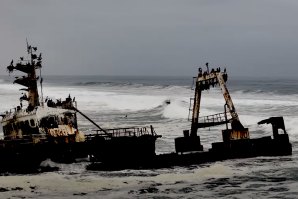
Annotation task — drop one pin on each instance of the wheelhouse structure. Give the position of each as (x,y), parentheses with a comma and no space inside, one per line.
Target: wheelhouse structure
(38,119)
(37,128)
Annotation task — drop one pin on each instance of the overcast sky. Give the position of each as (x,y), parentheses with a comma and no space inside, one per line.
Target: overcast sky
(153,37)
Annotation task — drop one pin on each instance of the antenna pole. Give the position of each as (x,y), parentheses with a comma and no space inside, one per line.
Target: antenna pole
(41,80)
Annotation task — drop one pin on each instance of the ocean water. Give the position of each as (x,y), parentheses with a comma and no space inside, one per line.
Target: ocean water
(108,100)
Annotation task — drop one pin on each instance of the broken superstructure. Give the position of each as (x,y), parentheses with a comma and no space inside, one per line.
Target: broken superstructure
(36,130)
(236,139)
(39,119)
(205,81)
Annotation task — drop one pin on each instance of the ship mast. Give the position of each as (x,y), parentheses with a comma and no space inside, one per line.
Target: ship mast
(30,81)
(204,81)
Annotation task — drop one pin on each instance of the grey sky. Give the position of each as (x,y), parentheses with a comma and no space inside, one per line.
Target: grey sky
(153,37)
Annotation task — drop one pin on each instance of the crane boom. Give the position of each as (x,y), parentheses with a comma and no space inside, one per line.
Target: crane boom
(204,81)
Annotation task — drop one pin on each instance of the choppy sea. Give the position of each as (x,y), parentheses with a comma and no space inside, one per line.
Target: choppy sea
(138,101)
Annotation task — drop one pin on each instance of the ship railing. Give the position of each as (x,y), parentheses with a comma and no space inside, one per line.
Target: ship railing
(10,112)
(218,117)
(213,120)
(15,110)
(124,132)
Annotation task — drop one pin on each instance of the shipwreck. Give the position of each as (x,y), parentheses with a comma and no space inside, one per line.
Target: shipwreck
(40,129)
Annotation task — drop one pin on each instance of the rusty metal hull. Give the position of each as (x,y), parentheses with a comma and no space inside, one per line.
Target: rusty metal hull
(121,149)
(23,156)
(248,148)
(131,153)
(20,157)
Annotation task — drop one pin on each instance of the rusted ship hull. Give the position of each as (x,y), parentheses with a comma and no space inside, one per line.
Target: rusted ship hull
(123,145)
(20,157)
(265,146)
(26,157)
(121,149)
(133,153)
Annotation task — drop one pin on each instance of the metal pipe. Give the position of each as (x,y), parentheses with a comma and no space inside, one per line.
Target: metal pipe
(85,116)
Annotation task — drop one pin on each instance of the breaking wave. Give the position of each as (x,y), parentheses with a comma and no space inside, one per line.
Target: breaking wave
(106,84)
